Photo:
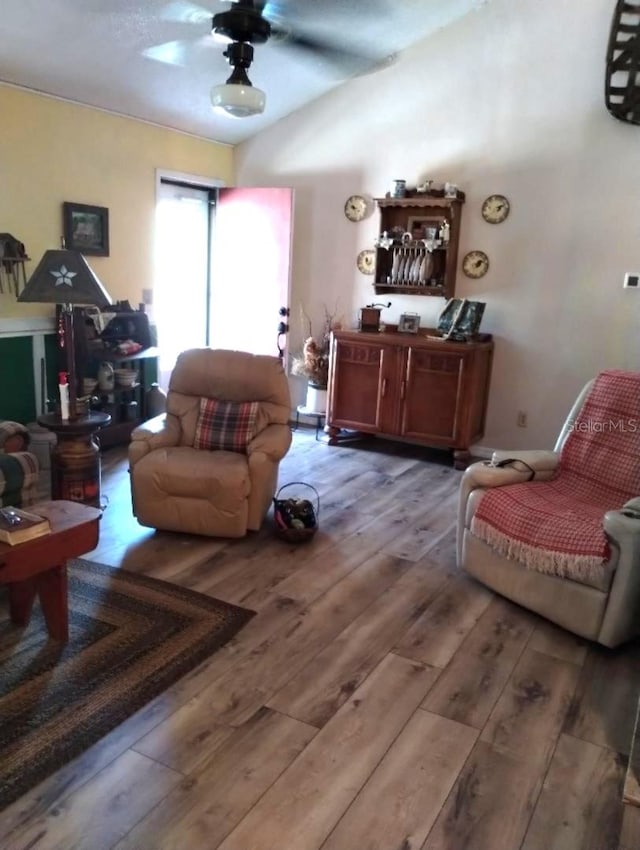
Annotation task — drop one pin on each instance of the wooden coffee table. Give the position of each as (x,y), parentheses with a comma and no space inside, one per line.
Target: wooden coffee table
(39,566)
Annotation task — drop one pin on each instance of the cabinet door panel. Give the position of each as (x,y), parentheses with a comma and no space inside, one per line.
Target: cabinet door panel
(358,385)
(432,396)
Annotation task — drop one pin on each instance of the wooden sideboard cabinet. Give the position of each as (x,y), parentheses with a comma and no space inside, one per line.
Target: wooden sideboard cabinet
(411,387)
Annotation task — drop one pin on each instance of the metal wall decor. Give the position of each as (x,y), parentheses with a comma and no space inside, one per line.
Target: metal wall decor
(622,84)
(13,256)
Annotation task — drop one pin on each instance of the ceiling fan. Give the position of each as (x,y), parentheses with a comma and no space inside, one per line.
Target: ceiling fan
(246,23)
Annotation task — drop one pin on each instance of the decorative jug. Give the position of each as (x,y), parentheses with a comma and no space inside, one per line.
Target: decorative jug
(106,377)
(155,401)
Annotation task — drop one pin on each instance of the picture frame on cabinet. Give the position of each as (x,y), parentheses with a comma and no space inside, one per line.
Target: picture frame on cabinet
(424,227)
(409,323)
(86,228)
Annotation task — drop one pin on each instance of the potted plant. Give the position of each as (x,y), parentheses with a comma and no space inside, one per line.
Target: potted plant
(313,362)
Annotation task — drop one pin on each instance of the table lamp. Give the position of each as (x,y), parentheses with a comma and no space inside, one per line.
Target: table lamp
(64,277)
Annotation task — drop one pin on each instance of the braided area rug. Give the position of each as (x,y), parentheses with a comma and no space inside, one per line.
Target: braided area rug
(130,637)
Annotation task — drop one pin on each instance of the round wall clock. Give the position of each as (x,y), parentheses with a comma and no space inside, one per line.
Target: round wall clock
(356,208)
(475,264)
(366,261)
(495,209)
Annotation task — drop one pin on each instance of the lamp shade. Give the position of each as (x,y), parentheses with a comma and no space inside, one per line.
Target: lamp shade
(64,277)
(237,100)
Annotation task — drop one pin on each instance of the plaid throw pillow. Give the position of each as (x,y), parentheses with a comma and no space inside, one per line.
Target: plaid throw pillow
(225,425)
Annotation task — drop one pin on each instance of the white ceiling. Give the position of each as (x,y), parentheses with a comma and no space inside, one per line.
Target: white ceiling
(155,59)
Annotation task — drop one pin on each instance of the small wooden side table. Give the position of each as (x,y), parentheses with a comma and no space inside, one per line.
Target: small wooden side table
(75,460)
(39,566)
(303,410)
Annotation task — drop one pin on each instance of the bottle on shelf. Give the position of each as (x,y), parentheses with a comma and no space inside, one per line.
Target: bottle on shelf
(63,386)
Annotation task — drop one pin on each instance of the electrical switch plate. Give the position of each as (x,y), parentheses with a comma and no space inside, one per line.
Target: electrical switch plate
(631,280)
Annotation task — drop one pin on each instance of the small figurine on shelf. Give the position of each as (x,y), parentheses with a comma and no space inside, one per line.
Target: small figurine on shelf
(384,241)
(424,187)
(445,231)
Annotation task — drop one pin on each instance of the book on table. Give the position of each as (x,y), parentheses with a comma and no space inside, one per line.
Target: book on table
(18,525)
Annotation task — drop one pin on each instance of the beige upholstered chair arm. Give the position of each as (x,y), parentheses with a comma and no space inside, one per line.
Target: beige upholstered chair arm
(157,433)
(487,474)
(544,462)
(265,451)
(632,507)
(273,441)
(623,529)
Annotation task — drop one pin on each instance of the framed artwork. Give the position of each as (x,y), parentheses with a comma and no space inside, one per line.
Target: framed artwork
(86,228)
(409,323)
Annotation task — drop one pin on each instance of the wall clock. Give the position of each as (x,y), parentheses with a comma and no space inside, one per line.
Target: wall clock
(495,209)
(475,264)
(622,81)
(357,207)
(366,261)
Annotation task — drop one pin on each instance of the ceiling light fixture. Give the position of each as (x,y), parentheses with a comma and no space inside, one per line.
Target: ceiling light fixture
(238,97)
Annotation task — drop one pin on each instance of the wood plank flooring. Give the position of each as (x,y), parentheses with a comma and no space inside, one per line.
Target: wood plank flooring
(379,700)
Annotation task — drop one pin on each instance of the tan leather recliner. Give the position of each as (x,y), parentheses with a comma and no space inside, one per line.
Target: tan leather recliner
(604,607)
(177,487)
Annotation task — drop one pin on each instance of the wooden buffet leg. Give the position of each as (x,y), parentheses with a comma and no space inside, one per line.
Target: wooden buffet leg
(340,435)
(333,435)
(461,458)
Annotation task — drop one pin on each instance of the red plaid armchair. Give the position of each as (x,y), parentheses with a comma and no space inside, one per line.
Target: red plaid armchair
(209,465)
(559,531)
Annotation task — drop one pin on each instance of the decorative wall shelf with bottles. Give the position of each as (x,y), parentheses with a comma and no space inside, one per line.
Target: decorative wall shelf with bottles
(417,250)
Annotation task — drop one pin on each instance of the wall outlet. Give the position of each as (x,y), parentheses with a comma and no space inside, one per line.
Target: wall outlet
(631,280)
(147,296)
(521,419)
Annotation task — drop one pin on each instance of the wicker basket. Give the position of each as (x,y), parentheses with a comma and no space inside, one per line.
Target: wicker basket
(296,519)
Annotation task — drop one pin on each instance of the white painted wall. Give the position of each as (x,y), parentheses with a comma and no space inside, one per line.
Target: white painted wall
(509,100)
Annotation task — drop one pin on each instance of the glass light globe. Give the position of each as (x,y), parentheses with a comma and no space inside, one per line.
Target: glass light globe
(237,101)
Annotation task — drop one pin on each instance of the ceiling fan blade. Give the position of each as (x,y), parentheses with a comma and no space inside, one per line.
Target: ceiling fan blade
(179,52)
(184,12)
(347,59)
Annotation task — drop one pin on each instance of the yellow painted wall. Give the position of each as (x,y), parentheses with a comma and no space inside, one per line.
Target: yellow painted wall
(52,151)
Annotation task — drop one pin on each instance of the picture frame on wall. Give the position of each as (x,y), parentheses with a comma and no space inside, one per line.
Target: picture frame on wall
(86,228)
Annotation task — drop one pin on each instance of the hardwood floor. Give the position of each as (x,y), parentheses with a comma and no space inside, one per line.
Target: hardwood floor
(379,700)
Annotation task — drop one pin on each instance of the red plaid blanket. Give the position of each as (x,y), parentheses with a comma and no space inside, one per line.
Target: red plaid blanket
(556,526)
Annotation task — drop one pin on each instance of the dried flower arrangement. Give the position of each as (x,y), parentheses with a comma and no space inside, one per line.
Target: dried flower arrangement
(313,362)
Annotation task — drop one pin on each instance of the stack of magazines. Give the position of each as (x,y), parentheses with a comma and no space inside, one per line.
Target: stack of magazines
(18,526)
